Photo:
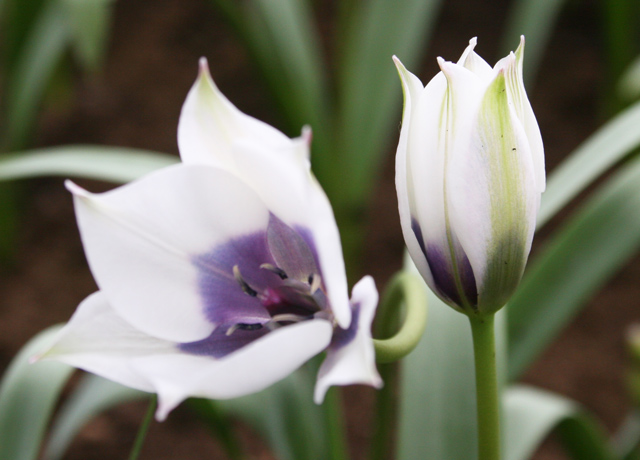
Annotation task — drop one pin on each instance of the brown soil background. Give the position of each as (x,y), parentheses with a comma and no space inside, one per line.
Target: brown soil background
(151,64)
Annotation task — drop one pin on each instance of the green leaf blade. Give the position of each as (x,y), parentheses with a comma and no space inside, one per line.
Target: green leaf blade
(28,395)
(603,149)
(27,82)
(531,414)
(577,262)
(368,88)
(114,164)
(92,396)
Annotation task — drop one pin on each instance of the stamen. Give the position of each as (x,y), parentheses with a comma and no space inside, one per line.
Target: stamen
(289,318)
(243,327)
(314,282)
(243,284)
(231,330)
(277,270)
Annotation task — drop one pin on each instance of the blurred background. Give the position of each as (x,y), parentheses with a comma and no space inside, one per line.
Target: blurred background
(132,97)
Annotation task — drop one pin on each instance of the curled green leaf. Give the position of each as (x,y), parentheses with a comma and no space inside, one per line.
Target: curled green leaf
(408,289)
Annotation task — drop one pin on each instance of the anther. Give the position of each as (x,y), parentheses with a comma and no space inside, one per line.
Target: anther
(314,282)
(243,284)
(243,327)
(288,318)
(231,330)
(273,269)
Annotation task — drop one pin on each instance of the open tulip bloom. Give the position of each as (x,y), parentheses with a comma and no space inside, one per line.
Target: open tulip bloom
(221,275)
(469,175)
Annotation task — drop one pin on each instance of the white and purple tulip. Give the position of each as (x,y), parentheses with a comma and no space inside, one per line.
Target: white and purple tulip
(469,175)
(222,275)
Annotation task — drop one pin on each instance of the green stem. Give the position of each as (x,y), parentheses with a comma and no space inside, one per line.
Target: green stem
(484,350)
(142,432)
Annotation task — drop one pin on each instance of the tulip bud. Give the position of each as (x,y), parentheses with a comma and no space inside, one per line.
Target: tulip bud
(469,175)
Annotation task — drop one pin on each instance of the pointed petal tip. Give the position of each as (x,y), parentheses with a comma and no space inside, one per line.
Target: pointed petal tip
(520,49)
(406,76)
(319,394)
(75,189)
(307,134)
(447,67)
(366,285)
(398,63)
(168,400)
(162,412)
(204,74)
(203,65)
(473,42)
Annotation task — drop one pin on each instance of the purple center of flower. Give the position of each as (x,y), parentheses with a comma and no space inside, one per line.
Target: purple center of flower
(255,283)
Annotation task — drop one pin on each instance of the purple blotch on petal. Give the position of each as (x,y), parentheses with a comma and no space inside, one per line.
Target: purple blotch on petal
(224,300)
(219,344)
(291,250)
(342,337)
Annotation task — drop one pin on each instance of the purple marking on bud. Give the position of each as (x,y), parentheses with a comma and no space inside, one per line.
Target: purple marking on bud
(441,271)
(417,231)
(444,279)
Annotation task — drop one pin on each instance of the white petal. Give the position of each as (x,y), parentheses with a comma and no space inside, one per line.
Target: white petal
(527,117)
(441,127)
(475,63)
(492,197)
(284,182)
(250,369)
(354,362)
(97,340)
(512,65)
(279,177)
(209,124)
(140,240)
(412,89)
(327,236)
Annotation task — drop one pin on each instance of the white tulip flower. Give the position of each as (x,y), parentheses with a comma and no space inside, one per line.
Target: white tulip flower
(219,276)
(469,175)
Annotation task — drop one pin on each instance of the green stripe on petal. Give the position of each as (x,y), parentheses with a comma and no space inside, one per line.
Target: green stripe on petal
(508,160)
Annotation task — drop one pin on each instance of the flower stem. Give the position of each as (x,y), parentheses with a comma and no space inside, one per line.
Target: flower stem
(142,431)
(484,351)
